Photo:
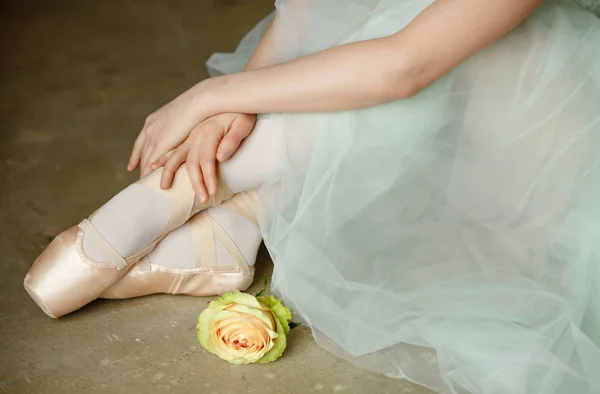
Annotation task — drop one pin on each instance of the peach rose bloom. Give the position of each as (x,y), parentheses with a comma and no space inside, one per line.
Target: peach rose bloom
(243,329)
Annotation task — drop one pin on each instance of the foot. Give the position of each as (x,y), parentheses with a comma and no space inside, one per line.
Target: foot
(214,252)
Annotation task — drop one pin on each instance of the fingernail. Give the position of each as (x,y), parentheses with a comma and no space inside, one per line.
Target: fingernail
(220,156)
(202,198)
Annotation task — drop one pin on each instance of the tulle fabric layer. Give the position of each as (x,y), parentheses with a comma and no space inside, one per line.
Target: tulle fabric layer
(453,238)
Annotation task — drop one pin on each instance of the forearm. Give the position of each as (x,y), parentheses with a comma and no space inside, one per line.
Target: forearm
(348,76)
(371,72)
(262,56)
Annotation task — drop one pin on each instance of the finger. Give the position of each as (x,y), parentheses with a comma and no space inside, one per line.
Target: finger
(146,169)
(161,162)
(155,155)
(144,172)
(208,162)
(136,153)
(237,133)
(146,152)
(172,164)
(194,172)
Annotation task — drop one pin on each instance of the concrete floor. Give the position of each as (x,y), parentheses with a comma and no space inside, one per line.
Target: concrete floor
(77,79)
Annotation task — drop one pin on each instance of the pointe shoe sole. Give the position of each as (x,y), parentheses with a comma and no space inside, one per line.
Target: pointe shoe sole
(145,279)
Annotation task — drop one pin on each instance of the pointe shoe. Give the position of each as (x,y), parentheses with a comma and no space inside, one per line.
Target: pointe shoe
(207,279)
(63,279)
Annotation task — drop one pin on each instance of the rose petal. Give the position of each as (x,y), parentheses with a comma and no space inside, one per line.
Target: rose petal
(241,298)
(265,315)
(246,329)
(205,329)
(276,347)
(280,311)
(247,325)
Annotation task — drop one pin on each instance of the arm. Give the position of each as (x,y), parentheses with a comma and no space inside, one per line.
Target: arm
(260,58)
(262,54)
(370,72)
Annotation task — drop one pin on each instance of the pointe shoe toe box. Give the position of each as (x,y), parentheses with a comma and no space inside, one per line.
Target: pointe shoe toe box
(62,279)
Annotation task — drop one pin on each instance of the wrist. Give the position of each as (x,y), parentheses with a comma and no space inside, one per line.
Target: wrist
(209,97)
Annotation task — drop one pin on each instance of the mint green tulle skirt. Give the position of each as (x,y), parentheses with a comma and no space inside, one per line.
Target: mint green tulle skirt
(453,238)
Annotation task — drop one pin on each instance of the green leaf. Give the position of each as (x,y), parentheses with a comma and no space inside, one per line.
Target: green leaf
(262,292)
(294,325)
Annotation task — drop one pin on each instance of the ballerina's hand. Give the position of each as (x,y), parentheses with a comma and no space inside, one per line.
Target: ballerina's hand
(167,127)
(217,138)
